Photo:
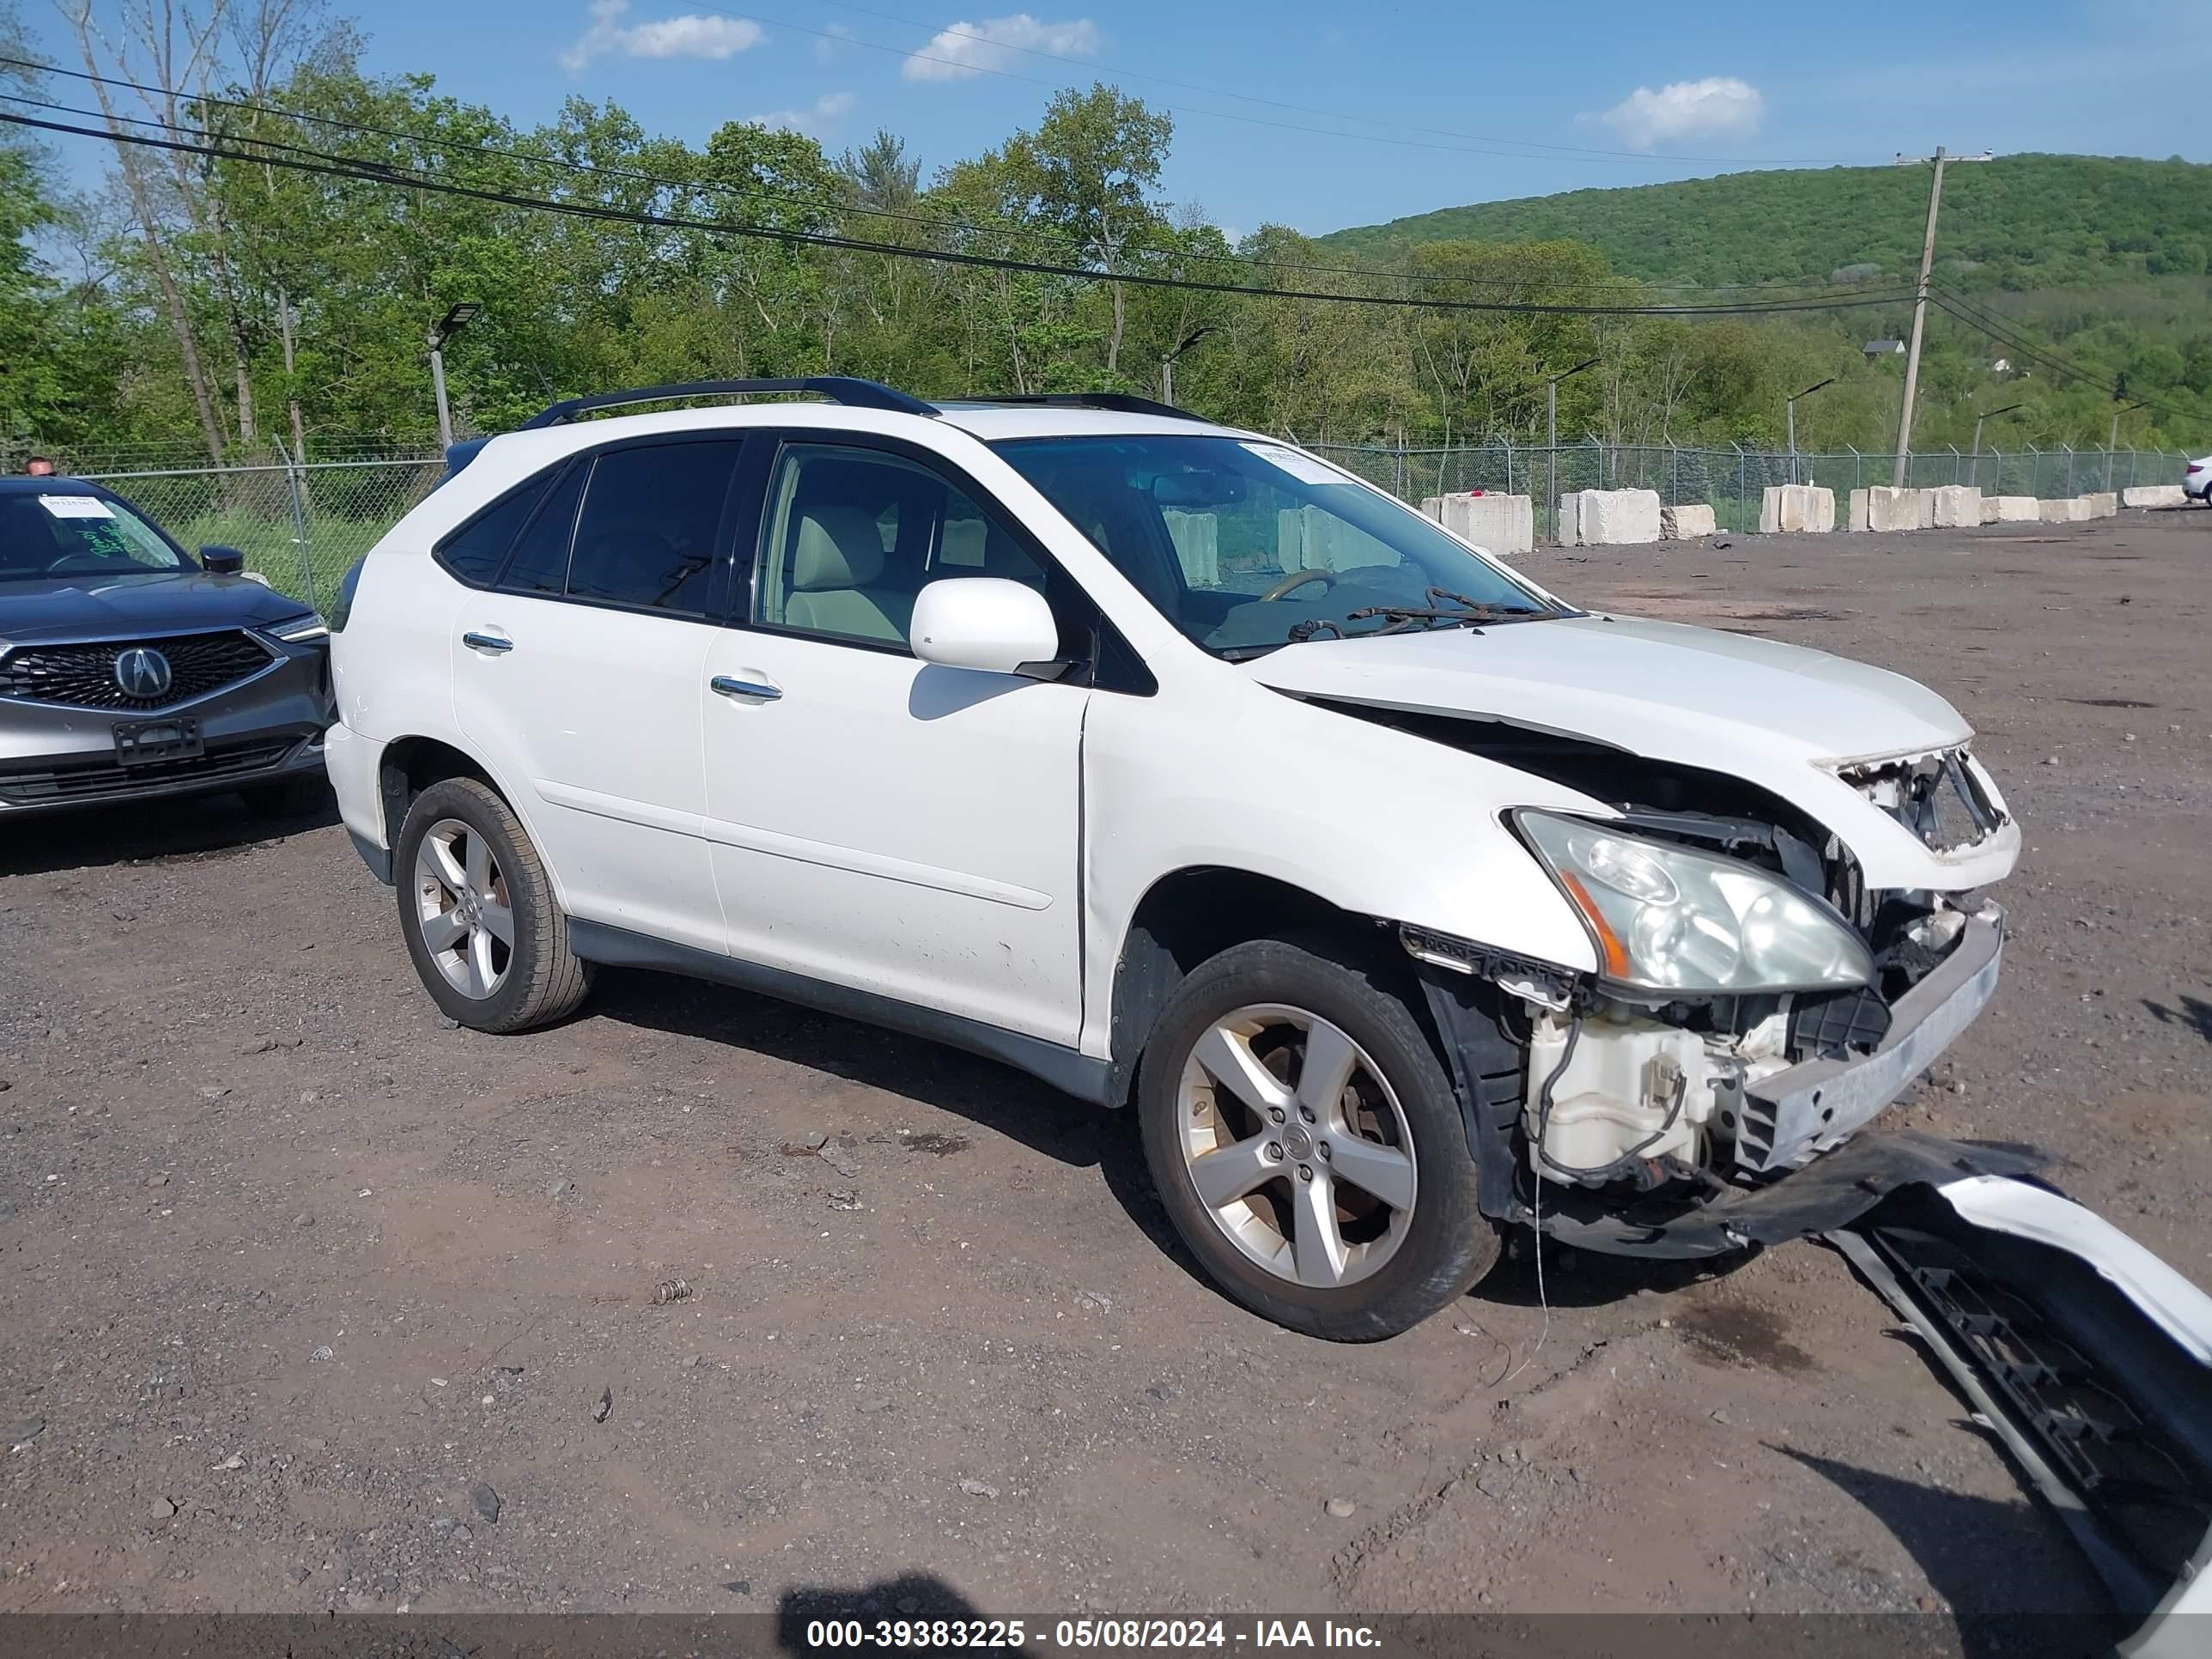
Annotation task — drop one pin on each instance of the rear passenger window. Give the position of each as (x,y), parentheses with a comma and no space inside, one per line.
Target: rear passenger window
(647,534)
(476,550)
(540,561)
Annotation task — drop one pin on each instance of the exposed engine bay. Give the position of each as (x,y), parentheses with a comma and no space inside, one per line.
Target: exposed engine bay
(1635,1099)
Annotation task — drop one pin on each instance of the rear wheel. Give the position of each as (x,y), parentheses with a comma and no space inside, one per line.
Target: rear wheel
(486,933)
(1307,1144)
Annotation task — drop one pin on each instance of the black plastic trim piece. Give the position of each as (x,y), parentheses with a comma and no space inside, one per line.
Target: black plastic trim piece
(378,858)
(1063,1068)
(1485,1067)
(1120,402)
(837,388)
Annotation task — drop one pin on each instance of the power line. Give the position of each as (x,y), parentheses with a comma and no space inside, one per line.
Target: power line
(300,159)
(939,226)
(1247,98)
(1982,322)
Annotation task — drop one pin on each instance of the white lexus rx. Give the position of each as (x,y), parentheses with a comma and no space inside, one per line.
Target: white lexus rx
(1404,901)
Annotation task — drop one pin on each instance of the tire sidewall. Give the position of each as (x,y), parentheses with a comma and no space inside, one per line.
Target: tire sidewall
(1448,1243)
(529,903)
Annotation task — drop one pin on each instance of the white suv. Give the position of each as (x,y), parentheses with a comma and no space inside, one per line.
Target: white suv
(1405,902)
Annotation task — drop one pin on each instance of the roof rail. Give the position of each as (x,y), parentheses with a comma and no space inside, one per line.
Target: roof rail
(838,388)
(1122,402)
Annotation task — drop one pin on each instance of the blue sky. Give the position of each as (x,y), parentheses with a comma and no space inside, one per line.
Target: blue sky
(1426,105)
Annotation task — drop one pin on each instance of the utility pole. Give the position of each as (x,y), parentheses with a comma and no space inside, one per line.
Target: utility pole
(1920,304)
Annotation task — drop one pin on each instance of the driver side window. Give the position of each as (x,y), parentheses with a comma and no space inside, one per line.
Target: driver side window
(851,537)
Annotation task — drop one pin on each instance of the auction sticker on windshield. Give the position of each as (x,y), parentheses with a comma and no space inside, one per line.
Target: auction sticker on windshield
(76,506)
(1303,468)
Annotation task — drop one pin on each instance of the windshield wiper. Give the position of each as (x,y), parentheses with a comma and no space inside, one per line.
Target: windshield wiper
(1403,617)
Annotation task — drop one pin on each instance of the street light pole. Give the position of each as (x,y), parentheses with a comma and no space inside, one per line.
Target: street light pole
(1551,437)
(1920,305)
(457,317)
(1974,469)
(2112,442)
(1790,416)
(1168,362)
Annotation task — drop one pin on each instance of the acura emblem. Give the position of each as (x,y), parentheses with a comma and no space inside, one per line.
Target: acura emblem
(142,673)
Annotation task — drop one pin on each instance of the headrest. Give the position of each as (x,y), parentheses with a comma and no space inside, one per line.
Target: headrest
(840,546)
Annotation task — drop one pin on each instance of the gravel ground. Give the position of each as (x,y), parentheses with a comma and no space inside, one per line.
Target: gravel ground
(310,1302)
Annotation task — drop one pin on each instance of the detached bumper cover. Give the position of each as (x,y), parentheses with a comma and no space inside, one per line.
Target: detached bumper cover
(1794,1114)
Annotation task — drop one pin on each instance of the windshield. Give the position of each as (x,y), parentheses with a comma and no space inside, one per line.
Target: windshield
(1247,545)
(68,532)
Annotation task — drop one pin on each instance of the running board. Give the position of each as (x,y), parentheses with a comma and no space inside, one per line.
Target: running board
(2089,1357)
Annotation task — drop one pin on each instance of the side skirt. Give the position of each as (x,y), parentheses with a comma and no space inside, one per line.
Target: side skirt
(1063,1068)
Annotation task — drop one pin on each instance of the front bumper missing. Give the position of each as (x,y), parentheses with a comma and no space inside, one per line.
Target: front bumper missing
(2090,1359)
(1791,1115)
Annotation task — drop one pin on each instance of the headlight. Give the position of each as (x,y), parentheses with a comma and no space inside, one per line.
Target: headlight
(298,630)
(1665,918)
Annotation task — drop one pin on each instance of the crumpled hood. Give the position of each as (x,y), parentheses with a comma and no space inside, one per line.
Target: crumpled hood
(1658,689)
(157,602)
(1765,712)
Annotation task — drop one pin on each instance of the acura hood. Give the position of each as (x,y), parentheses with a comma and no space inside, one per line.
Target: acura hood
(1777,715)
(1658,689)
(119,607)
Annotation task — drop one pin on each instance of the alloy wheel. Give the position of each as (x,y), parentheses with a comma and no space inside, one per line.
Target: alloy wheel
(1296,1145)
(462,908)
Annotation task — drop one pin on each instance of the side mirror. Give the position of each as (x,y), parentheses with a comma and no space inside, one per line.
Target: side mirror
(984,622)
(222,561)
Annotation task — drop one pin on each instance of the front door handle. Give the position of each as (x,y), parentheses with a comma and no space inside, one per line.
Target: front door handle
(753,687)
(495,644)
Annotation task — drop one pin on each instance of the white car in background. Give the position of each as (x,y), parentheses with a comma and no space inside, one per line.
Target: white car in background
(2197,480)
(1406,902)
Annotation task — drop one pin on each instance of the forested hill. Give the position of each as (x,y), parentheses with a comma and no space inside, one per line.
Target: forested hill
(2020,221)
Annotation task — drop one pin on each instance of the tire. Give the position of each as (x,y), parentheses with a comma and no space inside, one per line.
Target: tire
(293,798)
(1370,1269)
(492,877)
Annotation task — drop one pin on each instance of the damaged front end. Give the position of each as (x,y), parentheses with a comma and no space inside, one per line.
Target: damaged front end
(1757,1003)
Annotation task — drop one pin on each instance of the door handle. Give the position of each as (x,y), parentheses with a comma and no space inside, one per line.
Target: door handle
(494,644)
(759,689)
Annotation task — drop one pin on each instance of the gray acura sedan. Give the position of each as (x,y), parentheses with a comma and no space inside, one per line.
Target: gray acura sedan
(130,669)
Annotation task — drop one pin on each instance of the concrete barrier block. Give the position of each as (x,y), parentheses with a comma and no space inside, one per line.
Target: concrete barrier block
(1197,539)
(1889,508)
(1989,509)
(2103,503)
(2071,509)
(2011,509)
(1796,507)
(1687,523)
(1953,506)
(2166,494)
(1858,509)
(1619,518)
(1504,525)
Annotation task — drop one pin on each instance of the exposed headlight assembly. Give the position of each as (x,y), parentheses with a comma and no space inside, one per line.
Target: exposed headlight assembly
(1667,919)
(298,630)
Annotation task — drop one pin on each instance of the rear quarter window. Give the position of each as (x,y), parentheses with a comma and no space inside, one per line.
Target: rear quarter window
(476,551)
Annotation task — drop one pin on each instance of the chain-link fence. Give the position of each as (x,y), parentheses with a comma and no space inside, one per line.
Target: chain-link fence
(300,528)
(1733,480)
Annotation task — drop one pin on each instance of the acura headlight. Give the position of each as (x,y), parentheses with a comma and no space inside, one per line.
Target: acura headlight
(298,630)
(1665,918)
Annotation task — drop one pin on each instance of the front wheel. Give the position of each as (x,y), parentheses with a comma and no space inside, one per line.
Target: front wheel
(478,912)
(1307,1144)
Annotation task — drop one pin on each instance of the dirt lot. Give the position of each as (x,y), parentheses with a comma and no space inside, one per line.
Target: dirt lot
(310,1302)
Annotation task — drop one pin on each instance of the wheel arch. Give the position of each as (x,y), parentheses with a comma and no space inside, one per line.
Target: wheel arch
(1197,912)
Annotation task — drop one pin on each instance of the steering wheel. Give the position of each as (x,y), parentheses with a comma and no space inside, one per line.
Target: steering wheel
(1299,579)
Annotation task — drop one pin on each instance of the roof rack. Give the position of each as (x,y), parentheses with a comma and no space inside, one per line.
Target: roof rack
(838,388)
(1122,402)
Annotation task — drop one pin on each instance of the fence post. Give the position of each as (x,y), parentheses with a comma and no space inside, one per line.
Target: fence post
(296,486)
(1742,484)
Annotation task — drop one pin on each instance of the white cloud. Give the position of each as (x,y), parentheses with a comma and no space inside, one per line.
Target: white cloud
(1718,106)
(822,114)
(833,39)
(968,49)
(690,35)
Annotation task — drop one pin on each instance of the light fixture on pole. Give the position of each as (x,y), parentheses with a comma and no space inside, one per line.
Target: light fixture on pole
(2112,442)
(1974,467)
(1789,408)
(1552,435)
(457,317)
(1168,362)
